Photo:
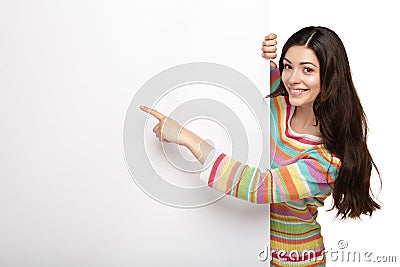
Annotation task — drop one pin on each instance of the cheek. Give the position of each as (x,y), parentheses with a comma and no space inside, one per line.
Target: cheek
(315,84)
(284,79)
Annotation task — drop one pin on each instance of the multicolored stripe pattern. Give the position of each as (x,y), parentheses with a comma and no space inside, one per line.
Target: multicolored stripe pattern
(302,175)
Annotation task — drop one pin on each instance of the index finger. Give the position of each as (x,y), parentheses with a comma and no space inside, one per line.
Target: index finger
(153,112)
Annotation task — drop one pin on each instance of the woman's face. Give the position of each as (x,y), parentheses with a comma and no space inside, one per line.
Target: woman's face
(300,75)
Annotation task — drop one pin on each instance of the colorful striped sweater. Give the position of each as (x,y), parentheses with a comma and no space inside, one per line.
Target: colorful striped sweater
(301,176)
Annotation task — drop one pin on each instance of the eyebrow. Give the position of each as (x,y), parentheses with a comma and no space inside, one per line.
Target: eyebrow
(301,63)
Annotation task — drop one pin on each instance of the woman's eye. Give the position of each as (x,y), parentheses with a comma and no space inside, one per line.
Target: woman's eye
(287,66)
(307,70)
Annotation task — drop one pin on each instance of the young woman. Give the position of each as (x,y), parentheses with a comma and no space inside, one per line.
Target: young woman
(318,147)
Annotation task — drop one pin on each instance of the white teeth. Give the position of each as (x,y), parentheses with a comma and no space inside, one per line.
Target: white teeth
(297,90)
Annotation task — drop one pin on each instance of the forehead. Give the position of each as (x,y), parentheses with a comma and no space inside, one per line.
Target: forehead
(298,54)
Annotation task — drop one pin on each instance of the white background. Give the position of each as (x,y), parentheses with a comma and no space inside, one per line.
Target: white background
(369,32)
(68,70)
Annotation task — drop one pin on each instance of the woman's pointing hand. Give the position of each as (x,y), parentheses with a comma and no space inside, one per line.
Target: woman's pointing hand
(167,129)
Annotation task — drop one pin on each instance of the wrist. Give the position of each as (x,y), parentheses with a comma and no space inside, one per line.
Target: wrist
(188,138)
(199,147)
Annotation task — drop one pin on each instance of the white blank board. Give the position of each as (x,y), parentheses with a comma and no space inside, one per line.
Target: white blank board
(69,70)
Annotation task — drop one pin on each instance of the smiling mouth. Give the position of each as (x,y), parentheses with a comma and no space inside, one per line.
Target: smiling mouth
(298,91)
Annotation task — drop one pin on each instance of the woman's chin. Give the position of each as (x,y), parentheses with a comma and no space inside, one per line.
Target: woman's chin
(295,101)
(299,101)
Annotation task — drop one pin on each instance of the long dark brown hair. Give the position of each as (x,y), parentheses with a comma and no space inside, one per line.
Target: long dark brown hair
(341,120)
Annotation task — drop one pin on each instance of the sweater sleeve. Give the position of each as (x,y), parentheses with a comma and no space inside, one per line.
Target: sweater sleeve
(307,177)
(275,78)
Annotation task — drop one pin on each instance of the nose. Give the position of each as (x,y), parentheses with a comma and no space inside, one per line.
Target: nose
(294,77)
